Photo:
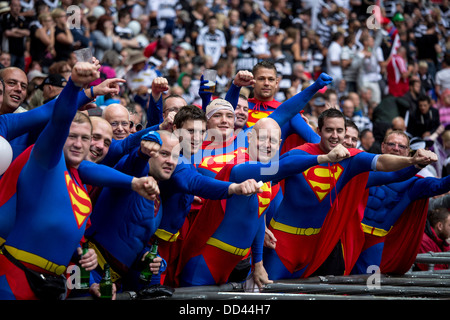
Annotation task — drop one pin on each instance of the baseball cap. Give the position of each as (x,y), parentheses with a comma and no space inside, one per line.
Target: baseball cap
(216,105)
(54,79)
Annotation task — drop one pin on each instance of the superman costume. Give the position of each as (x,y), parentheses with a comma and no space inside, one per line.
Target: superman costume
(52,206)
(122,225)
(389,244)
(307,228)
(210,159)
(177,195)
(212,248)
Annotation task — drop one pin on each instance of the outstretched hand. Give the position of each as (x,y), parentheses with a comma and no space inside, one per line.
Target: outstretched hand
(108,86)
(337,154)
(424,157)
(146,187)
(246,188)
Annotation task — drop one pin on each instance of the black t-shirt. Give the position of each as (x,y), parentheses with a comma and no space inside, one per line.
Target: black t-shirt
(62,50)
(16,45)
(425,47)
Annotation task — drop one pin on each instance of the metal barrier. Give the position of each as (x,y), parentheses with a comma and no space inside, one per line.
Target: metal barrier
(431,284)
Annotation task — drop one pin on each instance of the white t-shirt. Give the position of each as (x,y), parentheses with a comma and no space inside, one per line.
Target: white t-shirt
(334,54)
(443,78)
(212,43)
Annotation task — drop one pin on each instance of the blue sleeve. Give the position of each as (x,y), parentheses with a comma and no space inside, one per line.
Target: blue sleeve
(289,164)
(378,178)
(300,127)
(289,108)
(154,112)
(101,175)
(258,242)
(120,148)
(232,95)
(134,164)
(429,187)
(48,148)
(192,182)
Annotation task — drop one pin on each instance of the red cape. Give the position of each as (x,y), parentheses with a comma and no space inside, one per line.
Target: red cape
(402,243)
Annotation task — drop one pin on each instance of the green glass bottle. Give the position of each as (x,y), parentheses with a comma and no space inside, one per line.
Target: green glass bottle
(146,273)
(106,289)
(84,274)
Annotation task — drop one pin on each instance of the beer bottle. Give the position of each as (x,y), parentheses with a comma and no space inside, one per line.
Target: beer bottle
(146,273)
(84,274)
(106,289)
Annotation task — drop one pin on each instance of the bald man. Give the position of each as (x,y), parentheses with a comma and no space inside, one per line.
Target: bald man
(16,84)
(119,119)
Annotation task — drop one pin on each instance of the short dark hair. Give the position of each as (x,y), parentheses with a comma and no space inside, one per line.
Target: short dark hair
(329,113)
(265,64)
(438,215)
(424,97)
(189,112)
(351,124)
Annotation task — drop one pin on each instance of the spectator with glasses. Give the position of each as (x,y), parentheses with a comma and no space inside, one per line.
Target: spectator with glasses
(119,118)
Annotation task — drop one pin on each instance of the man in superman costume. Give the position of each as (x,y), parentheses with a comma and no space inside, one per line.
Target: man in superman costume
(51,165)
(212,247)
(38,212)
(177,193)
(395,216)
(308,227)
(222,145)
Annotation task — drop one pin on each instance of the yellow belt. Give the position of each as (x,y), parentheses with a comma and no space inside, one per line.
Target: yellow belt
(293,230)
(36,260)
(166,235)
(227,247)
(374,231)
(102,261)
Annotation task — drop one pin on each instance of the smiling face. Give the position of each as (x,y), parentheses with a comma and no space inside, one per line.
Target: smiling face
(101,139)
(332,133)
(241,113)
(221,124)
(266,83)
(119,119)
(77,144)
(16,84)
(191,136)
(264,140)
(350,138)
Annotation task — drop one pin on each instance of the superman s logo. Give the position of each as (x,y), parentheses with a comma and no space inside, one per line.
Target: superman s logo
(255,115)
(319,179)
(215,163)
(81,203)
(264,198)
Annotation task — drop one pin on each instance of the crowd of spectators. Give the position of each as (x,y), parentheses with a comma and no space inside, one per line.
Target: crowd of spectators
(389,60)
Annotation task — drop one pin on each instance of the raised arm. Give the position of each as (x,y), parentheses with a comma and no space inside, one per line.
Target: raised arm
(288,109)
(49,145)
